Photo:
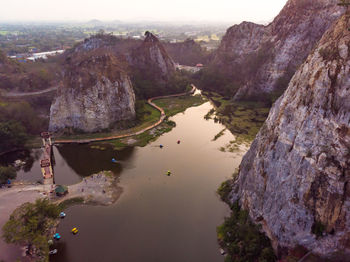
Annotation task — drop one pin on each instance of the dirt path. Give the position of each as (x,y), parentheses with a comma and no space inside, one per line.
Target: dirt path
(47,90)
(149,101)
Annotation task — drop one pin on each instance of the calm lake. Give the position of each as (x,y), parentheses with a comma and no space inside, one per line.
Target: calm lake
(157,218)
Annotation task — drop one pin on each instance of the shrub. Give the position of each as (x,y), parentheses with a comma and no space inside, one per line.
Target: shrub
(7,173)
(30,224)
(242,239)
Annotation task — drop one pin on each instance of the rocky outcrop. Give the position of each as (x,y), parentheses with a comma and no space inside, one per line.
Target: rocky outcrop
(96,93)
(294,180)
(262,59)
(188,52)
(151,56)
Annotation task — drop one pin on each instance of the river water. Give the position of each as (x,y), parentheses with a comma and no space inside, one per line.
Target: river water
(157,218)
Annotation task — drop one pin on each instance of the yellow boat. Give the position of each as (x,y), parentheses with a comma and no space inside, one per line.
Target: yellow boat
(74,230)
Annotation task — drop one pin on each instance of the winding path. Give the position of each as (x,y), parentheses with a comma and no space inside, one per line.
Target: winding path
(149,101)
(40,92)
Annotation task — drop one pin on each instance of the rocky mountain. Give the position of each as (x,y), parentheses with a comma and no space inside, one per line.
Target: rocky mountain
(95,94)
(294,180)
(262,59)
(187,53)
(100,76)
(151,56)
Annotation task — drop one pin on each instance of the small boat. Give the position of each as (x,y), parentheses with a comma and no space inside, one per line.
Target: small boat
(62,215)
(52,252)
(74,230)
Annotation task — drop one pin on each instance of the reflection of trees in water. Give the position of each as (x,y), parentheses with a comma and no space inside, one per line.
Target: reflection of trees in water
(86,161)
(34,156)
(28,156)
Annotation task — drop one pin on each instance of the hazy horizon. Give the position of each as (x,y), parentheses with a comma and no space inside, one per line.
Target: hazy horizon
(220,11)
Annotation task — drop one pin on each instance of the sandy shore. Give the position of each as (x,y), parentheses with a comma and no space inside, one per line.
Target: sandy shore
(101,189)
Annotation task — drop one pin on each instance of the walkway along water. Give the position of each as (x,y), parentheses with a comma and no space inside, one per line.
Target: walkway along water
(149,101)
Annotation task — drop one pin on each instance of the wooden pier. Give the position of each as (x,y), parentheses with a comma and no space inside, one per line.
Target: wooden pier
(46,160)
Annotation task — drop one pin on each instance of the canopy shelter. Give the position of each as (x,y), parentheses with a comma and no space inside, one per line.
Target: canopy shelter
(61,190)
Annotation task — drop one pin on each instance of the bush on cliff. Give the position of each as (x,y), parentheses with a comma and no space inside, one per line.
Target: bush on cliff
(242,239)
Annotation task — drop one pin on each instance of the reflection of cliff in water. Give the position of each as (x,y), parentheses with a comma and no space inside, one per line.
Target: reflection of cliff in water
(86,161)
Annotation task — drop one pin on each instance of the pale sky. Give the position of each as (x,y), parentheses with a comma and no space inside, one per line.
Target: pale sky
(160,10)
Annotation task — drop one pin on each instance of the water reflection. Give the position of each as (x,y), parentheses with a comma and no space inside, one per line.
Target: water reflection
(85,161)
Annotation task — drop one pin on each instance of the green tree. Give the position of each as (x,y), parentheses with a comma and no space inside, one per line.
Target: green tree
(12,135)
(30,224)
(7,173)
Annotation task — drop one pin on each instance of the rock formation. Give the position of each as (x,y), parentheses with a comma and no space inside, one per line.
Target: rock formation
(96,93)
(151,56)
(262,59)
(188,52)
(294,180)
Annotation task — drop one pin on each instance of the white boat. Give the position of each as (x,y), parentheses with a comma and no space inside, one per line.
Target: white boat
(52,252)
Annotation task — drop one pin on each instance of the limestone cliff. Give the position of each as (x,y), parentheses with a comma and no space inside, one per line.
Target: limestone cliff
(188,52)
(262,59)
(294,180)
(96,92)
(152,57)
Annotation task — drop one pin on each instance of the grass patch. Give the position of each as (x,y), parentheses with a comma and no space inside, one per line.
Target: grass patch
(243,118)
(175,105)
(146,115)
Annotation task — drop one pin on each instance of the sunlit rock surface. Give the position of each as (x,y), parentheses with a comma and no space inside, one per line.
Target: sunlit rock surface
(296,173)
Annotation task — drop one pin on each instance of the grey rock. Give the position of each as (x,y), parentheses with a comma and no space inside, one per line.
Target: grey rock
(297,170)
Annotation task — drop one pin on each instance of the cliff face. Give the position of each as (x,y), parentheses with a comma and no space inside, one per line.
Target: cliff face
(151,56)
(187,53)
(96,93)
(294,180)
(267,56)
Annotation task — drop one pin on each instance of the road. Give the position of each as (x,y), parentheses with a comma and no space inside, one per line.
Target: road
(12,94)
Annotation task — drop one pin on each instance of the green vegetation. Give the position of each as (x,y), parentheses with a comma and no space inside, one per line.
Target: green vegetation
(244,119)
(7,173)
(242,239)
(146,115)
(12,136)
(31,224)
(225,189)
(146,85)
(18,121)
(231,73)
(175,105)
